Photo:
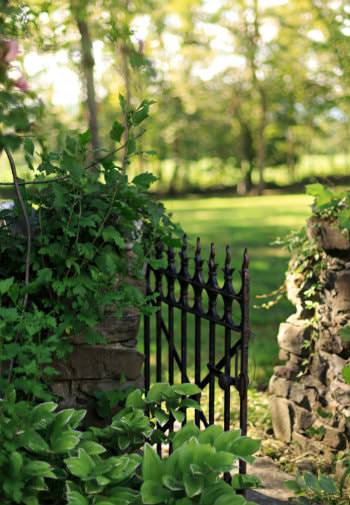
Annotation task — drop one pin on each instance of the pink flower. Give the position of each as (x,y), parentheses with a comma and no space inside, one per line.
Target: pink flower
(22,84)
(12,50)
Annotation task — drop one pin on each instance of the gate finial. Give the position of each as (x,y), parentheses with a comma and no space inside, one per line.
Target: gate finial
(245,263)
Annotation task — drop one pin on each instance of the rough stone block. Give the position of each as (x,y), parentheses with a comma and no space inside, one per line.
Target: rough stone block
(329,341)
(100,362)
(302,441)
(303,419)
(341,300)
(292,335)
(319,367)
(283,355)
(335,439)
(288,371)
(300,395)
(329,237)
(123,328)
(282,414)
(341,393)
(90,387)
(294,284)
(336,365)
(279,386)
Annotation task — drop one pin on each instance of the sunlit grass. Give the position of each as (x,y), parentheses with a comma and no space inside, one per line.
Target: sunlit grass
(253,222)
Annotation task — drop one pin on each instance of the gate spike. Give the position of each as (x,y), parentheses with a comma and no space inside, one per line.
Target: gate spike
(184,257)
(228,257)
(212,281)
(184,246)
(198,246)
(212,264)
(245,263)
(198,262)
(228,289)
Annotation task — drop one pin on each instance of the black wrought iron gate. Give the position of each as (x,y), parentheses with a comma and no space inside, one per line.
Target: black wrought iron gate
(174,287)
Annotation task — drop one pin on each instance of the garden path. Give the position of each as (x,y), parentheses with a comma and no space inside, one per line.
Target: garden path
(274,492)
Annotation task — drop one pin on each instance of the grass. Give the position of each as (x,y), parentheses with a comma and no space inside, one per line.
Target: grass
(252,222)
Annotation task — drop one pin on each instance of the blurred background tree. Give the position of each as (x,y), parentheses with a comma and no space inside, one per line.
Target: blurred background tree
(249,94)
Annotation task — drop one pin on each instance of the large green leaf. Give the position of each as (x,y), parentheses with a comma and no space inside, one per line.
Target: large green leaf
(346,374)
(5,285)
(210,434)
(245,481)
(215,491)
(117,131)
(172,483)
(327,484)
(152,465)
(75,498)
(15,463)
(80,466)
(312,482)
(245,447)
(220,461)
(225,440)
(232,499)
(135,400)
(35,442)
(65,441)
(92,447)
(187,389)
(38,469)
(159,392)
(42,414)
(188,431)
(152,493)
(194,484)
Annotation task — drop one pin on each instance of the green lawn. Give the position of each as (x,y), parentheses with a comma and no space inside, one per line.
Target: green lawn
(252,222)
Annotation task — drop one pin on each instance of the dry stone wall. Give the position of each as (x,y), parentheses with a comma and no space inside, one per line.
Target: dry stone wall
(310,403)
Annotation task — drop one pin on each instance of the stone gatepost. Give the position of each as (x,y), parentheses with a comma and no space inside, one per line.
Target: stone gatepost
(110,366)
(310,403)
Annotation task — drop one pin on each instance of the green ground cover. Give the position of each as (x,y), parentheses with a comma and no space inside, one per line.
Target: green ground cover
(252,222)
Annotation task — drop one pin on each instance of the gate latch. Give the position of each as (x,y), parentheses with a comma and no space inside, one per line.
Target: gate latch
(225,380)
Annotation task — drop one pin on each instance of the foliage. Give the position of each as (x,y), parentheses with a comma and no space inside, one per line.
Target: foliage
(321,489)
(46,459)
(329,204)
(346,374)
(92,231)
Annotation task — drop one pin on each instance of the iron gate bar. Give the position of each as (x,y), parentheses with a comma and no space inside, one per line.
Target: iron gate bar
(222,369)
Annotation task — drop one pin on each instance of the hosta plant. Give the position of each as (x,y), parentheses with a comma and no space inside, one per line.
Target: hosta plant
(46,459)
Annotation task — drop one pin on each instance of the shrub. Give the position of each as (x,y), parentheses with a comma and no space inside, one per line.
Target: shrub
(84,222)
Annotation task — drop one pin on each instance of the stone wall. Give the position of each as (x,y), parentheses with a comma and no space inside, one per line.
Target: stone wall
(110,366)
(310,403)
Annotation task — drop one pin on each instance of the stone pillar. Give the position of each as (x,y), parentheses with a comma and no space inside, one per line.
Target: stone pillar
(310,403)
(110,366)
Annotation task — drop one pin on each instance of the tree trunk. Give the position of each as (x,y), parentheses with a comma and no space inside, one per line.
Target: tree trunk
(175,175)
(261,147)
(88,72)
(290,155)
(127,86)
